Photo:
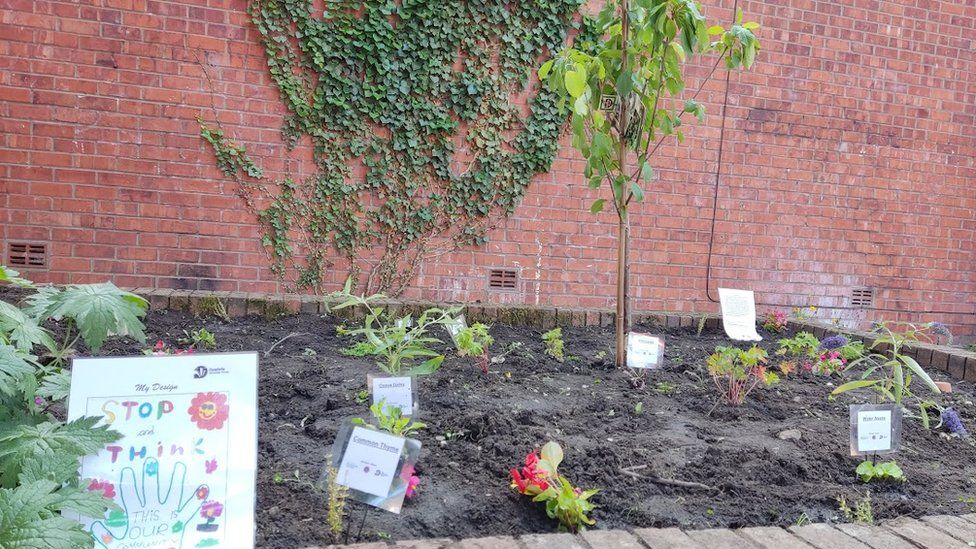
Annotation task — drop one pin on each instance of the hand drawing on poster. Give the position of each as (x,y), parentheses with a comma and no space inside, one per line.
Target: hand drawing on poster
(739,314)
(183,472)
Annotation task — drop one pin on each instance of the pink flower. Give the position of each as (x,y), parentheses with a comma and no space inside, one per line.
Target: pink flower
(211,510)
(105,487)
(159,346)
(412,485)
(210,465)
(203,492)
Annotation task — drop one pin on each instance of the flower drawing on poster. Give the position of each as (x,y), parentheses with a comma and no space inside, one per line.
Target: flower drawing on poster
(209,410)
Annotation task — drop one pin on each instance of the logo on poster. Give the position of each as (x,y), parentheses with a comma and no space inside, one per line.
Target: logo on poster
(200,372)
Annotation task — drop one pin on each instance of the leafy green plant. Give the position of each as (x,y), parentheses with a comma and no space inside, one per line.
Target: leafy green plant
(474,341)
(39,454)
(803,344)
(390,418)
(398,340)
(869,471)
(197,339)
(887,371)
(540,480)
(737,372)
(861,513)
(625,90)
(359,349)
(775,322)
(553,339)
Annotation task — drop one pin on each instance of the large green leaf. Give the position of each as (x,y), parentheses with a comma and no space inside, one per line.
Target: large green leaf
(23,330)
(29,518)
(55,386)
(21,443)
(13,277)
(15,367)
(99,311)
(852,385)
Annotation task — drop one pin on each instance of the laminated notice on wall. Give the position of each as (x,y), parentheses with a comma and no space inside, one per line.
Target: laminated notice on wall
(739,314)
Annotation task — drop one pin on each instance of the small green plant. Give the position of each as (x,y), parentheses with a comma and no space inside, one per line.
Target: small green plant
(804,313)
(889,372)
(775,322)
(359,349)
(308,351)
(861,513)
(390,418)
(335,517)
(540,480)
(869,471)
(362,397)
(639,408)
(665,388)
(737,372)
(199,339)
(474,341)
(398,340)
(553,340)
(801,520)
(803,344)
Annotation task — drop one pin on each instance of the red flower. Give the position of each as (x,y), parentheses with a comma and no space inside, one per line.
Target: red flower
(530,476)
(209,410)
(105,487)
(159,345)
(412,485)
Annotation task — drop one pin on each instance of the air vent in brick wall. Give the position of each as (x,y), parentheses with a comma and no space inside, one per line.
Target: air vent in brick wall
(862,298)
(27,254)
(502,279)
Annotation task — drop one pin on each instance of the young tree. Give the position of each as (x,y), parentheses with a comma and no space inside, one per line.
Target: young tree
(626,100)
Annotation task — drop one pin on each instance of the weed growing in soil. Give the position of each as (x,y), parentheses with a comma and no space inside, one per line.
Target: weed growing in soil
(553,340)
(213,306)
(359,349)
(398,340)
(198,338)
(869,471)
(540,480)
(336,500)
(861,513)
(886,361)
(474,341)
(736,372)
(390,418)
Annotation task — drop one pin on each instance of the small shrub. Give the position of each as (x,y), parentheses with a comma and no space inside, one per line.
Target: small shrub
(553,340)
(199,339)
(861,513)
(390,418)
(736,372)
(540,480)
(474,341)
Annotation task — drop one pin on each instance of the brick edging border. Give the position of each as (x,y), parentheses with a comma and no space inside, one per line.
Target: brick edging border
(958,363)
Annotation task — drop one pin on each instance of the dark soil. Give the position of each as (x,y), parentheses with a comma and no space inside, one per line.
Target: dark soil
(480,426)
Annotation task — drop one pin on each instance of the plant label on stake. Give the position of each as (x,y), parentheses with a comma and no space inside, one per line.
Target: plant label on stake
(375,466)
(395,391)
(739,314)
(454,327)
(875,428)
(644,351)
(183,472)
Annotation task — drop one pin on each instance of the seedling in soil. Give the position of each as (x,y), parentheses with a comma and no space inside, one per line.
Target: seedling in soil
(802,520)
(512,347)
(308,351)
(665,388)
(639,408)
(336,501)
(359,349)
(294,478)
(474,341)
(362,397)
(390,419)
(861,513)
(553,340)
(869,471)
(198,339)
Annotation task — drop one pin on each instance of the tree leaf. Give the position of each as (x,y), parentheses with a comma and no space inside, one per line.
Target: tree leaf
(597,206)
(575,82)
(544,69)
(638,191)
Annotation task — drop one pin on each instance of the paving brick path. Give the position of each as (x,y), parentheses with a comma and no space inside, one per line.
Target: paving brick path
(936,532)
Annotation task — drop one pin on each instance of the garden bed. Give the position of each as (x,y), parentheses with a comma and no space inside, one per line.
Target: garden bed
(480,426)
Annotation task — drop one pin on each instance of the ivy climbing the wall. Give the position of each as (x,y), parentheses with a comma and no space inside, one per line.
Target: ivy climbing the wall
(418,134)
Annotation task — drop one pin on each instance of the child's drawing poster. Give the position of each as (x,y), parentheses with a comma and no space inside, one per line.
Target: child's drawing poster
(183,471)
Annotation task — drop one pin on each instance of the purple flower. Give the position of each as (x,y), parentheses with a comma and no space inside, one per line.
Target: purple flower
(39,401)
(939,328)
(833,342)
(953,422)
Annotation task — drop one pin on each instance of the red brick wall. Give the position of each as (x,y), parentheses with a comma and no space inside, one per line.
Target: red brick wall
(848,159)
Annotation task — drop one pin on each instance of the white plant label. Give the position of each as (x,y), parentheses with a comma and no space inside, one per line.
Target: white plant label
(739,314)
(396,391)
(370,461)
(644,351)
(874,431)
(183,472)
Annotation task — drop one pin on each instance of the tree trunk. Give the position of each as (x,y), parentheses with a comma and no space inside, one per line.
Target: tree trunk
(623,221)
